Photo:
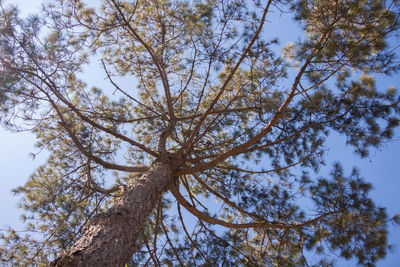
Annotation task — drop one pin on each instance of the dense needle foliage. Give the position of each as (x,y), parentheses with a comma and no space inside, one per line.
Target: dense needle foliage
(203,83)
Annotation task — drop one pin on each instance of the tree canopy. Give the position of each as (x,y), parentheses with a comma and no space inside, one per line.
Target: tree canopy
(201,112)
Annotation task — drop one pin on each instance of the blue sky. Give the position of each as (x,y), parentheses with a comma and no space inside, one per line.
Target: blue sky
(381,168)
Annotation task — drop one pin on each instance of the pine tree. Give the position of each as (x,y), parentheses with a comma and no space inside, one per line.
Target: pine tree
(201,114)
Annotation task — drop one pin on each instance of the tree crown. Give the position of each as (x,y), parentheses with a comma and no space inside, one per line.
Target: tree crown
(200,84)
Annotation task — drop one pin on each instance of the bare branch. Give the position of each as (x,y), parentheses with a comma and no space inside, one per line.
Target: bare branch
(170,243)
(227,81)
(125,93)
(188,236)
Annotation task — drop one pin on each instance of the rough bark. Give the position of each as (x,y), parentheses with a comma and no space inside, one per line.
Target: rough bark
(109,239)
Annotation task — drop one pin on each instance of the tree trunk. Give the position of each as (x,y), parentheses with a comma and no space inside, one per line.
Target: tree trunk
(109,239)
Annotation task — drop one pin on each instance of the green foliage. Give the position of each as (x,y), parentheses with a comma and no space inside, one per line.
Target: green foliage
(201,81)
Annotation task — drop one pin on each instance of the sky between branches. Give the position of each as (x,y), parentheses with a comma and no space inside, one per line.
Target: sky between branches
(381,168)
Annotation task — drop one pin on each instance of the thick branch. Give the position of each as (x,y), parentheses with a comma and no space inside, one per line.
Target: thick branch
(79,145)
(50,84)
(240,148)
(206,218)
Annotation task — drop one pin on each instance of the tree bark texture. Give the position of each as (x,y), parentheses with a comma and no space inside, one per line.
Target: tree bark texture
(109,239)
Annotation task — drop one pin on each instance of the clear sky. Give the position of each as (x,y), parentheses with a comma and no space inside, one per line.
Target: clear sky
(382,168)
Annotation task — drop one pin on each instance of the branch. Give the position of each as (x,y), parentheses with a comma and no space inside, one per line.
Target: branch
(219,112)
(226,242)
(155,260)
(79,145)
(50,84)
(96,159)
(53,87)
(170,243)
(268,171)
(159,207)
(268,128)
(123,92)
(189,79)
(191,240)
(98,188)
(206,218)
(227,201)
(241,148)
(227,81)
(159,65)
